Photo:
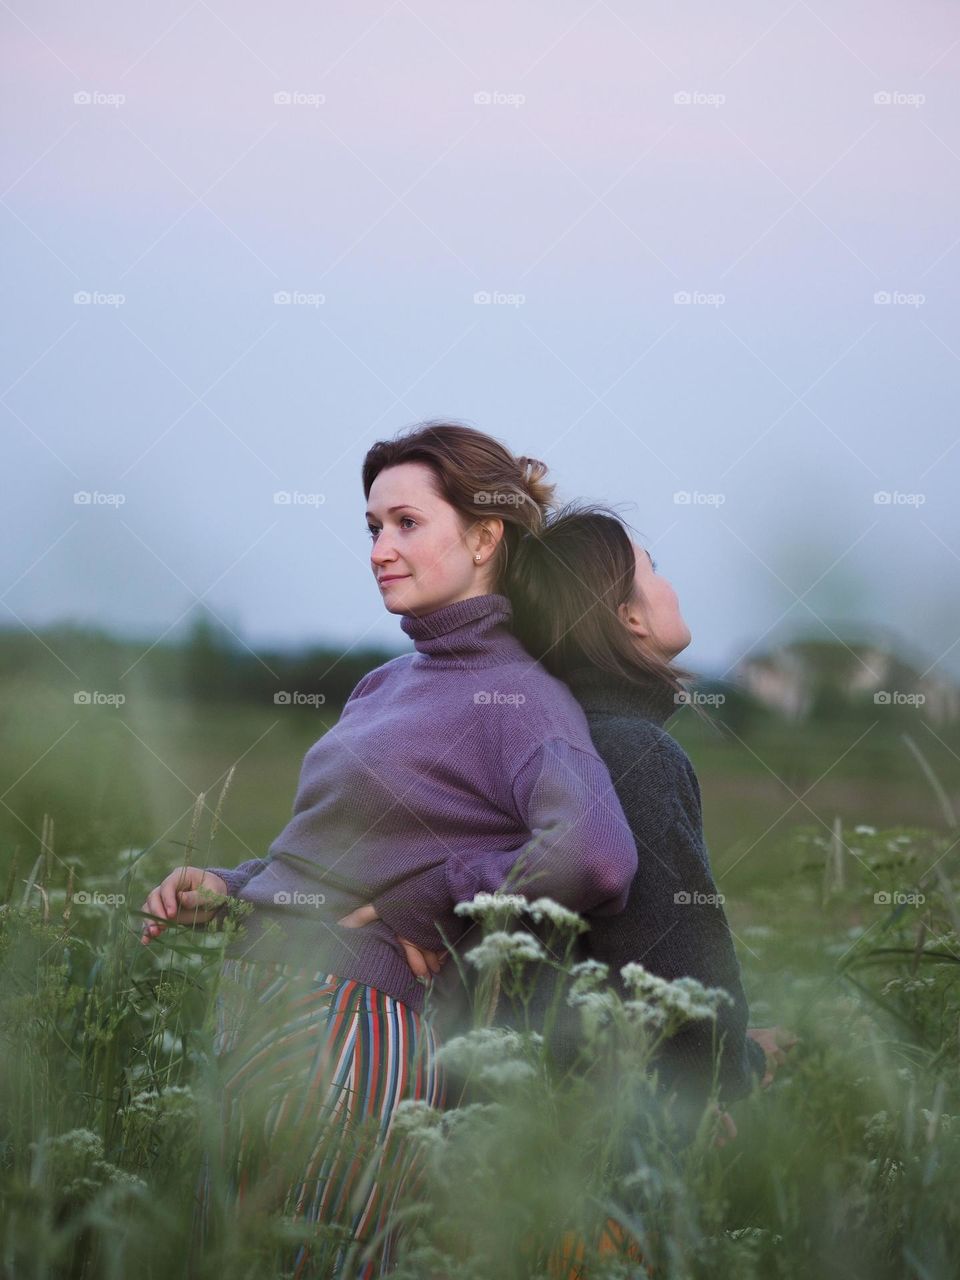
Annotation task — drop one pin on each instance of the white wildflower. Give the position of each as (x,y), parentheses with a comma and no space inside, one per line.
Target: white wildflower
(684,999)
(642,981)
(865,831)
(560,916)
(652,1017)
(588,975)
(75,1164)
(493,906)
(416,1119)
(506,1075)
(597,1008)
(500,948)
(481,1047)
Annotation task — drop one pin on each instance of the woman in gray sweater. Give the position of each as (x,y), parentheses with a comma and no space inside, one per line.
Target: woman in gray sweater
(590,606)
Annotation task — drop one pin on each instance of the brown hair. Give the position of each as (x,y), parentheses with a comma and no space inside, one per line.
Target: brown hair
(476,474)
(566,584)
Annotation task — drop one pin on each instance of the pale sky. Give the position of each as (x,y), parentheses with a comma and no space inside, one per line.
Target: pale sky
(781,166)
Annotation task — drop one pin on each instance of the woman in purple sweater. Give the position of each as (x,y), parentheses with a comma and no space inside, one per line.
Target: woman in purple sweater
(458,768)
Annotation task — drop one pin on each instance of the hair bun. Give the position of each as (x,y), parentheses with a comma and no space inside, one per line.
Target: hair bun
(532,473)
(537,469)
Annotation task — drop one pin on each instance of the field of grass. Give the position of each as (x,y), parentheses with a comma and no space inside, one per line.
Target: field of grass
(845,1167)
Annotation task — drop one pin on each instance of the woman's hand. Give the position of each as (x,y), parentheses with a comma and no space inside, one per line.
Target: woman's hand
(726,1129)
(775,1043)
(420,960)
(177,899)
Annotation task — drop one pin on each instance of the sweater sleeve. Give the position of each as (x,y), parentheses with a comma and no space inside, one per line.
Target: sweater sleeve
(236,877)
(580,851)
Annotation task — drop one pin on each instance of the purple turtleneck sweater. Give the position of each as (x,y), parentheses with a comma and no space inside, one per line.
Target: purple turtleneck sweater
(459,768)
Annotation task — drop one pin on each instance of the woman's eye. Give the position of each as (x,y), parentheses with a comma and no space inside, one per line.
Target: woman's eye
(373,530)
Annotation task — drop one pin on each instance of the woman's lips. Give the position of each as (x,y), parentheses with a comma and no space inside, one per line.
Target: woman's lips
(392,577)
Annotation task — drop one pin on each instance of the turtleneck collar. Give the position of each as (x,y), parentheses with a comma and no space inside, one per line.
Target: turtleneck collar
(468,632)
(601,691)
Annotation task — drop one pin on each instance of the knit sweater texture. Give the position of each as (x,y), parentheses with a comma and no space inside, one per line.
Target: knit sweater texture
(673,924)
(461,767)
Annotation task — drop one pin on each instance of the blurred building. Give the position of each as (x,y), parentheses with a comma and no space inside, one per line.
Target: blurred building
(804,678)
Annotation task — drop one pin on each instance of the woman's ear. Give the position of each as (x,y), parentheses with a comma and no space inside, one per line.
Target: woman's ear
(632,616)
(490,531)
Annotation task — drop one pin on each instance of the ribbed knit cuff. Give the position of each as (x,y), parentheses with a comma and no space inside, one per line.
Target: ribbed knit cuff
(401,907)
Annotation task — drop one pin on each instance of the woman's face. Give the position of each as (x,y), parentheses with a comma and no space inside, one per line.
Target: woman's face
(654,614)
(421,556)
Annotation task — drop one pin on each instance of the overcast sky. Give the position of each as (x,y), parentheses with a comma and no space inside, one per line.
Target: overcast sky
(382,164)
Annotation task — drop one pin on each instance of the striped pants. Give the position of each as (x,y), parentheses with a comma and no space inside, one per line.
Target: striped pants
(312,1068)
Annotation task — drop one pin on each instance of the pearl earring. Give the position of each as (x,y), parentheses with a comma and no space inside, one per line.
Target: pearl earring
(476,557)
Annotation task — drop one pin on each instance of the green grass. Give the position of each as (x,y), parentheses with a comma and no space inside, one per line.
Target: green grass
(845,1167)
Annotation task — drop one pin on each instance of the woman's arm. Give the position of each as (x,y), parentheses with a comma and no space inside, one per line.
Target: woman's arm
(580,851)
(236,877)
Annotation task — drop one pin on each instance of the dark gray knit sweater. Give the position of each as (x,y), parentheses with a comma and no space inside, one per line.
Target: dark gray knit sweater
(672,924)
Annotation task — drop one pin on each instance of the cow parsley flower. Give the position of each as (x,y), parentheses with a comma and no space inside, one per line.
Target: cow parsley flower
(559,916)
(501,948)
(588,975)
(492,906)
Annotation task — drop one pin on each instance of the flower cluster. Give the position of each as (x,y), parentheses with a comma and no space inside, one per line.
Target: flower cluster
(75,1165)
(500,948)
(494,1056)
(492,906)
(682,1000)
(560,917)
